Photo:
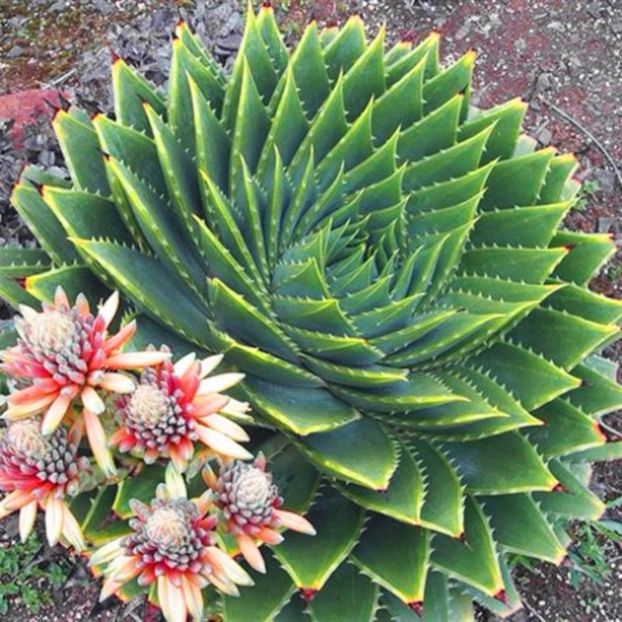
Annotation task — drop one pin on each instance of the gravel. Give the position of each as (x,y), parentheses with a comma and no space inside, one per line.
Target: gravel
(144,43)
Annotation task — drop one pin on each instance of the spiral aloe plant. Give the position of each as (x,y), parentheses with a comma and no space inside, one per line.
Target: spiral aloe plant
(383,261)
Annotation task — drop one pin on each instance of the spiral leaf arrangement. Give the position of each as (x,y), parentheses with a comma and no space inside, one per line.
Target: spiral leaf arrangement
(384,263)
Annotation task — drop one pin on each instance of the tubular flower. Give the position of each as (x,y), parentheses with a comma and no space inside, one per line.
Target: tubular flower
(175,406)
(173,544)
(250,503)
(63,353)
(39,471)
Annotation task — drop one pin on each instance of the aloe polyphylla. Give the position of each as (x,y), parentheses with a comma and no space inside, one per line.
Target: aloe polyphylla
(384,262)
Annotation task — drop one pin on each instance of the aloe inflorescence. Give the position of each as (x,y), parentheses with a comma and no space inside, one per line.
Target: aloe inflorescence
(384,262)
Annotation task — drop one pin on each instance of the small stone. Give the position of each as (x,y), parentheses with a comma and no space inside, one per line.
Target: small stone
(463,31)
(545,136)
(543,82)
(606,179)
(58,6)
(15,52)
(616,26)
(105,7)
(229,44)
(605,223)
(593,8)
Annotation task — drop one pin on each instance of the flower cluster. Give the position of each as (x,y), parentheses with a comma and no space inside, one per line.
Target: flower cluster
(72,378)
(251,506)
(173,544)
(64,353)
(40,471)
(173,539)
(175,406)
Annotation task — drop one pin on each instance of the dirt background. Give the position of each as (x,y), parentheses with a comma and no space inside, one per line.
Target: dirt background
(563,56)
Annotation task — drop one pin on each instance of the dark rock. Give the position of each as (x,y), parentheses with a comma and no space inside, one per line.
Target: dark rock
(15,52)
(606,179)
(544,82)
(545,136)
(605,224)
(226,46)
(594,9)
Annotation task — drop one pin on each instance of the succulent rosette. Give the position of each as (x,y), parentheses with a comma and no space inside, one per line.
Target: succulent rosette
(41,471)
(172,545)
(64,353)
(386,264)
(175,406)
(251,506)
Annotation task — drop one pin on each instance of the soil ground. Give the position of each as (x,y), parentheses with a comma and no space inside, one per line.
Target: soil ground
(563,57)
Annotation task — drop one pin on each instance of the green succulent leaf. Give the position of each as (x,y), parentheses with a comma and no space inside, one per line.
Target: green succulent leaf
(597,394)
(43,223)
(443,502)
(142,280)
(262,601)
(142,487)
(338,523)
(473,560)
(360,452)
(402,500)
(16,262)
(346,594)
(572,498)
(522,528)
(395,555)
(15,295)
(486,465)
(296,478)
(302,411)
(73,279)
(100,506)
(82,152)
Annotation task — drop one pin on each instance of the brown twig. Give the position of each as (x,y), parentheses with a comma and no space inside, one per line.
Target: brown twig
(589,134)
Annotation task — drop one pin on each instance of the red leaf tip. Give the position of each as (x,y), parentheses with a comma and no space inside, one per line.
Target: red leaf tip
(600,430)
(417,607)
(308,593)
(502,597)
